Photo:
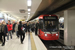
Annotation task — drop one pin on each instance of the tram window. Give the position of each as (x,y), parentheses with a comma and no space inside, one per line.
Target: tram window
(41,24)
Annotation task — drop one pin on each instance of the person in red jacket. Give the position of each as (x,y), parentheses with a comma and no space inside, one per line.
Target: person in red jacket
(9,26)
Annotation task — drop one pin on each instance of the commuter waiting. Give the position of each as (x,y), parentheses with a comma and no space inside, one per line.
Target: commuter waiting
(32,27)
(9,26)
(36,28)
(28,27)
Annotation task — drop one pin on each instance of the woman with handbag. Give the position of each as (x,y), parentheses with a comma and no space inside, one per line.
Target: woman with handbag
(4,32)
(21,32)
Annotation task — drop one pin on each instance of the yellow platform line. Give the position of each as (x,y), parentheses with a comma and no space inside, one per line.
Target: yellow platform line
(33,46)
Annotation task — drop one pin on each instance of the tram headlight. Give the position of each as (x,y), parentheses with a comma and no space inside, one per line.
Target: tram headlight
(45,34)
(56,34)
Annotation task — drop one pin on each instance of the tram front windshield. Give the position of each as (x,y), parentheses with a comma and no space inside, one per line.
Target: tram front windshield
(51,26)
(48,25)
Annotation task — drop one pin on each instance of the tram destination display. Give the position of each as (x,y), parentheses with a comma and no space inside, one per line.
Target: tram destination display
(49,17)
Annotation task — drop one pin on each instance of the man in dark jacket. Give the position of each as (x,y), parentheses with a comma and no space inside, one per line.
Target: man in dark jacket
(32,27)
(13,27)
(28,27)
(36,28)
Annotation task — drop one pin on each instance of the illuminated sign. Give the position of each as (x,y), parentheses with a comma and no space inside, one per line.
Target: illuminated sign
(50,17)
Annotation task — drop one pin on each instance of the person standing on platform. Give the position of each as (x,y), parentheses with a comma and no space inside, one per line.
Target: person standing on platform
(32,27)
(4,32)
(36,28)
(9,26)
(16,29)
(20,32)
(13,30)
(28,27)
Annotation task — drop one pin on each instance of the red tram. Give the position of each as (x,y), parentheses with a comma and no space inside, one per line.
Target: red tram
(48,27)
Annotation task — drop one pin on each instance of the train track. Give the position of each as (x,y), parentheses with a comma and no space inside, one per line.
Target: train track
(54,45)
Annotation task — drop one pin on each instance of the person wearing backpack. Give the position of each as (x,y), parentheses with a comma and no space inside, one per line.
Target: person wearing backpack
(20,32)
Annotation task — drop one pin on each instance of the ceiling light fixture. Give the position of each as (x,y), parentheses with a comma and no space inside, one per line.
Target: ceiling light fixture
(28,13)
(29,2)
(22,11)
(29,9)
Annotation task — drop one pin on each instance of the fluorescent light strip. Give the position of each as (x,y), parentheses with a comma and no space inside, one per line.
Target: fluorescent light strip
(29,2)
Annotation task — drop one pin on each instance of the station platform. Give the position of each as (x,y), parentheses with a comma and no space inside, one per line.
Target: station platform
(31,42)
(38,43)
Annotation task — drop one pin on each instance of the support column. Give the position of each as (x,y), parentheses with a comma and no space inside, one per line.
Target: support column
(69,27)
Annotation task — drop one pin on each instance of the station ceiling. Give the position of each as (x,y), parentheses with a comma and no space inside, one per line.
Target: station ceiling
(38,7)
(13,7)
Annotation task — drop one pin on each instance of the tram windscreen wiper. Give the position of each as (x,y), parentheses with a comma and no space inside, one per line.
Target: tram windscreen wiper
(50,32)
(47,30)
